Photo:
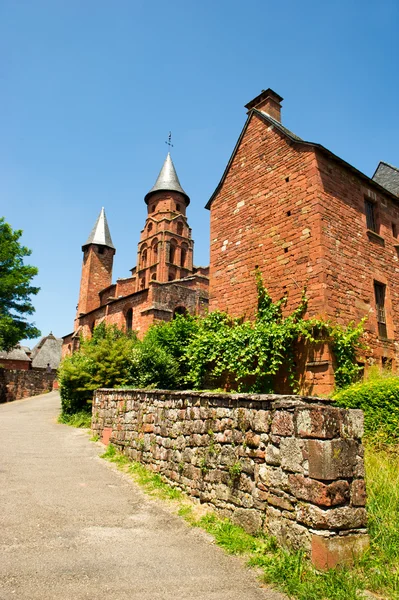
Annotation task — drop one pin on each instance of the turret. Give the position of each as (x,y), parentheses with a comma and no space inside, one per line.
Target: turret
(165,250)
(98,256)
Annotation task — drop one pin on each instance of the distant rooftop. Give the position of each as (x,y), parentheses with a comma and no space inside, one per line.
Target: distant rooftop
(387,176)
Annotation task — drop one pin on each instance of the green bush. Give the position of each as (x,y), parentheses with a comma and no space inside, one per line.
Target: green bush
(102,361)
(379,399)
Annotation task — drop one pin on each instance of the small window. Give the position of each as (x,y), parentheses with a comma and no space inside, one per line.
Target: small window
(149,228)
(180,228)
(153,208)
(144,258)
(172,253)
(370,216)
(154,276)
(129,320)
(394,230)
(100,249)
(171,276)
(180,310)
(379,292)
(183,257)
(142,283)
(178,207)
(386,363)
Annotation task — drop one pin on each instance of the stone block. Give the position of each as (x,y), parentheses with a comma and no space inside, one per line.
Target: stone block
(293,453)
(247,518)
(260,421)
(358,492)
(106,435)
(318,422)
(352,425)
(344,517)
(333,459)
(317,492)
(330,552)
(283,423)
(272,455)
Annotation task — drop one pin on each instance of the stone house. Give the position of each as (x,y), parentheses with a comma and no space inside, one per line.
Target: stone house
(306,218)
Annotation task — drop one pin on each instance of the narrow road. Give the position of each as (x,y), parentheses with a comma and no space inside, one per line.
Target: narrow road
(74,528)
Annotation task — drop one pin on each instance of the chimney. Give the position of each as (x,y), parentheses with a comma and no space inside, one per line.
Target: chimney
(268,102)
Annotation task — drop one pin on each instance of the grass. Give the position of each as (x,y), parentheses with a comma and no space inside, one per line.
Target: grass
(291,572)
(80,419)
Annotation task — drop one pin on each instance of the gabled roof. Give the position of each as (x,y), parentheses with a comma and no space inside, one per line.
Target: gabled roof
(100,233)
(387,176)
(167,181)
(268,120)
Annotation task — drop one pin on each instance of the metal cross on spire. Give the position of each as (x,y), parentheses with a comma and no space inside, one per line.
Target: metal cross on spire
(169,142)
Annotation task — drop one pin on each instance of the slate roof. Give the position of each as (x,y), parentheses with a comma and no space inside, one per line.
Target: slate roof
(47,350)
(17,353)
(100,233)
(387,176)
(167,181)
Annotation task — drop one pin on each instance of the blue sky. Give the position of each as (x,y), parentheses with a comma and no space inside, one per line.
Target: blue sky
(91,88)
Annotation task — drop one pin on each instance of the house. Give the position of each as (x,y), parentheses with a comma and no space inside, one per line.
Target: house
(306,218)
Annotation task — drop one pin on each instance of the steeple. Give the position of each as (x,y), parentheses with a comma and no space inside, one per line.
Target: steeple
(167,181)
(98,256)
(100,234)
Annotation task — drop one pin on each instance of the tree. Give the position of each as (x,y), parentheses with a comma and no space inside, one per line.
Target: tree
(15,289)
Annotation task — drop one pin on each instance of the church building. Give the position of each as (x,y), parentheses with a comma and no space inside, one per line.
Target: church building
(164,283)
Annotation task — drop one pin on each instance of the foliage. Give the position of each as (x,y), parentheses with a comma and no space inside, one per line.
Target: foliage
(247,355)
(153,367)
(378,397)
(79,419)
(15,289)
(102,361)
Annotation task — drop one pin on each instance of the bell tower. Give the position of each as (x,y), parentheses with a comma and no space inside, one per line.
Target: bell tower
(98,257)
(165,250)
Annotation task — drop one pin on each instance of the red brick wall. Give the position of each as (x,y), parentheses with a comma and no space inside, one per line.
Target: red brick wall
(355,258)
(21,365)
(266,215)
(96,275)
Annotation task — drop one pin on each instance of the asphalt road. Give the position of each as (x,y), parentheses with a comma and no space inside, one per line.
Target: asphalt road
(72,527)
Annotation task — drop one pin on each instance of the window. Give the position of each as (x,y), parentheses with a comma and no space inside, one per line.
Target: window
(180,228)
(172,252)
(143,258)
(178,207)
(183,256)
(180,310)
(149,228)
(153,208)
(129,319)
(100,249)
(154,277)
(379,293)
(370,216)
(394,230)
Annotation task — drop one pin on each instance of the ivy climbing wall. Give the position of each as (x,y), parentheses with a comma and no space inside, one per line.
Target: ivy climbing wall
(289,465)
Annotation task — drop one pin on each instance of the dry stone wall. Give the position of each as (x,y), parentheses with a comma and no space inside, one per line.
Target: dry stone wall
(17,384)
(290,465)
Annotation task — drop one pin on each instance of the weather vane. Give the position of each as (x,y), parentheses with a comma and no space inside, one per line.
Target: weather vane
(169,142)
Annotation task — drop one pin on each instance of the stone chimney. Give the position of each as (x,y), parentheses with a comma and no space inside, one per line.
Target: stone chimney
(269,102)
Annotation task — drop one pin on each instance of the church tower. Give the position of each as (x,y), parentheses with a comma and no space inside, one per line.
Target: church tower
(165,250)
(98,257)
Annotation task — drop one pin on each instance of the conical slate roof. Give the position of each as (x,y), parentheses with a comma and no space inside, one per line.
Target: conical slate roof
(167,181)
(100,233)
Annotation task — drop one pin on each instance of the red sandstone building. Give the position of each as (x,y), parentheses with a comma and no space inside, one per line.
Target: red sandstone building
(163,283)
(305,217)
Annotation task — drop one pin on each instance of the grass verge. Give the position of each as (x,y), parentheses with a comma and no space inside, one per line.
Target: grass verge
(79,419)
(291,572)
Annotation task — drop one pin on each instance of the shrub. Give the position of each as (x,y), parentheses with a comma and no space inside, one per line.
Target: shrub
(379,399)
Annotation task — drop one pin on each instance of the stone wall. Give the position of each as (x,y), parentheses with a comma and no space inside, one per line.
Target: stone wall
(18,384)
(290,465)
